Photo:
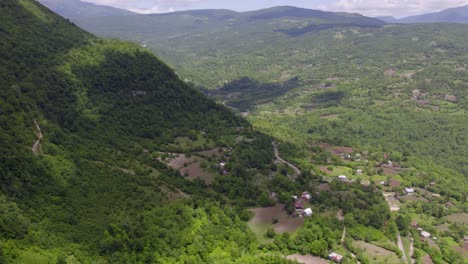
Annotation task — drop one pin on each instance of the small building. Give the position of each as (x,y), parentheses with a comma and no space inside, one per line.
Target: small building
(382,182)
(425,234)
(308,212)
(409,190)
(298,206)
(359,171)
(306,196)
(342,177)
(222,165)
(335,257)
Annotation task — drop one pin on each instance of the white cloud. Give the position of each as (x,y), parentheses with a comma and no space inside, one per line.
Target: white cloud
(391,7)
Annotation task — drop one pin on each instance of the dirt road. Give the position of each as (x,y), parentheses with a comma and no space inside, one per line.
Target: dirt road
(402,248)
(297,171)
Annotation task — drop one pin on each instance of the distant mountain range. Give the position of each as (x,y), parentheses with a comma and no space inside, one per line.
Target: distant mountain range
(73,9)
(451,15)
(76,9)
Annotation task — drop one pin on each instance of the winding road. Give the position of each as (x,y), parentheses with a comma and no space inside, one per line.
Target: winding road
(297,171)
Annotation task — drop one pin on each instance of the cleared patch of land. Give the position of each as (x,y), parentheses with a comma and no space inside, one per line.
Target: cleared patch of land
(307,259)
(191,167)
(195,171)
(461,218)
(378,254)
(263,219)
(179,161)
(427,260)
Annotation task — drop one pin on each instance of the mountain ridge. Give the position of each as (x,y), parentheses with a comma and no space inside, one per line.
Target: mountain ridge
(450,15)
(73,9)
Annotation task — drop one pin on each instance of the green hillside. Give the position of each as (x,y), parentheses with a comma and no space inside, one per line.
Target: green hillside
(108,157)
(85,126)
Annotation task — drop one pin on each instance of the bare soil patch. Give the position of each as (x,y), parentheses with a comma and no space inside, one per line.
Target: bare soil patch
(195,171)
(394,183)
(451,98)
(325,169)
(389,72)
(179,161)
(427,260)
(324,187)
(285,223)
(307,259)
(390,170)
(337,150)
(378,254)
(461,218)
(462,250)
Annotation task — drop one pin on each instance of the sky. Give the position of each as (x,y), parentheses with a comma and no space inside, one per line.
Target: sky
(397,8)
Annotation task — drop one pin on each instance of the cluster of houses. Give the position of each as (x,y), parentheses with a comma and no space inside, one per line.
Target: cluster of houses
(424,234)
(299,204)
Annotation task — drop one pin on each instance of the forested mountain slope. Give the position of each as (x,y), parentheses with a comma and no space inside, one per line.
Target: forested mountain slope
(85,127)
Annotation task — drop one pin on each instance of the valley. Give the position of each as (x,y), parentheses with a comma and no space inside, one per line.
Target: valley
(283,135)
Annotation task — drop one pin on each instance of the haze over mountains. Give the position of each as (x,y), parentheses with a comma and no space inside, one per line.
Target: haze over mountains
(451,15)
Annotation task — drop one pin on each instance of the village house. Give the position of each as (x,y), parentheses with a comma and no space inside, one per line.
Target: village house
(425,234)
(409,190)
(306,196)
(359,171)
(335,257)
(307,212)
(342,177)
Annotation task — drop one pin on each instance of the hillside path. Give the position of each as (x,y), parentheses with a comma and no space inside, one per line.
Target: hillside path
(411,249)
(402,248)
(297,171)
(37,130)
